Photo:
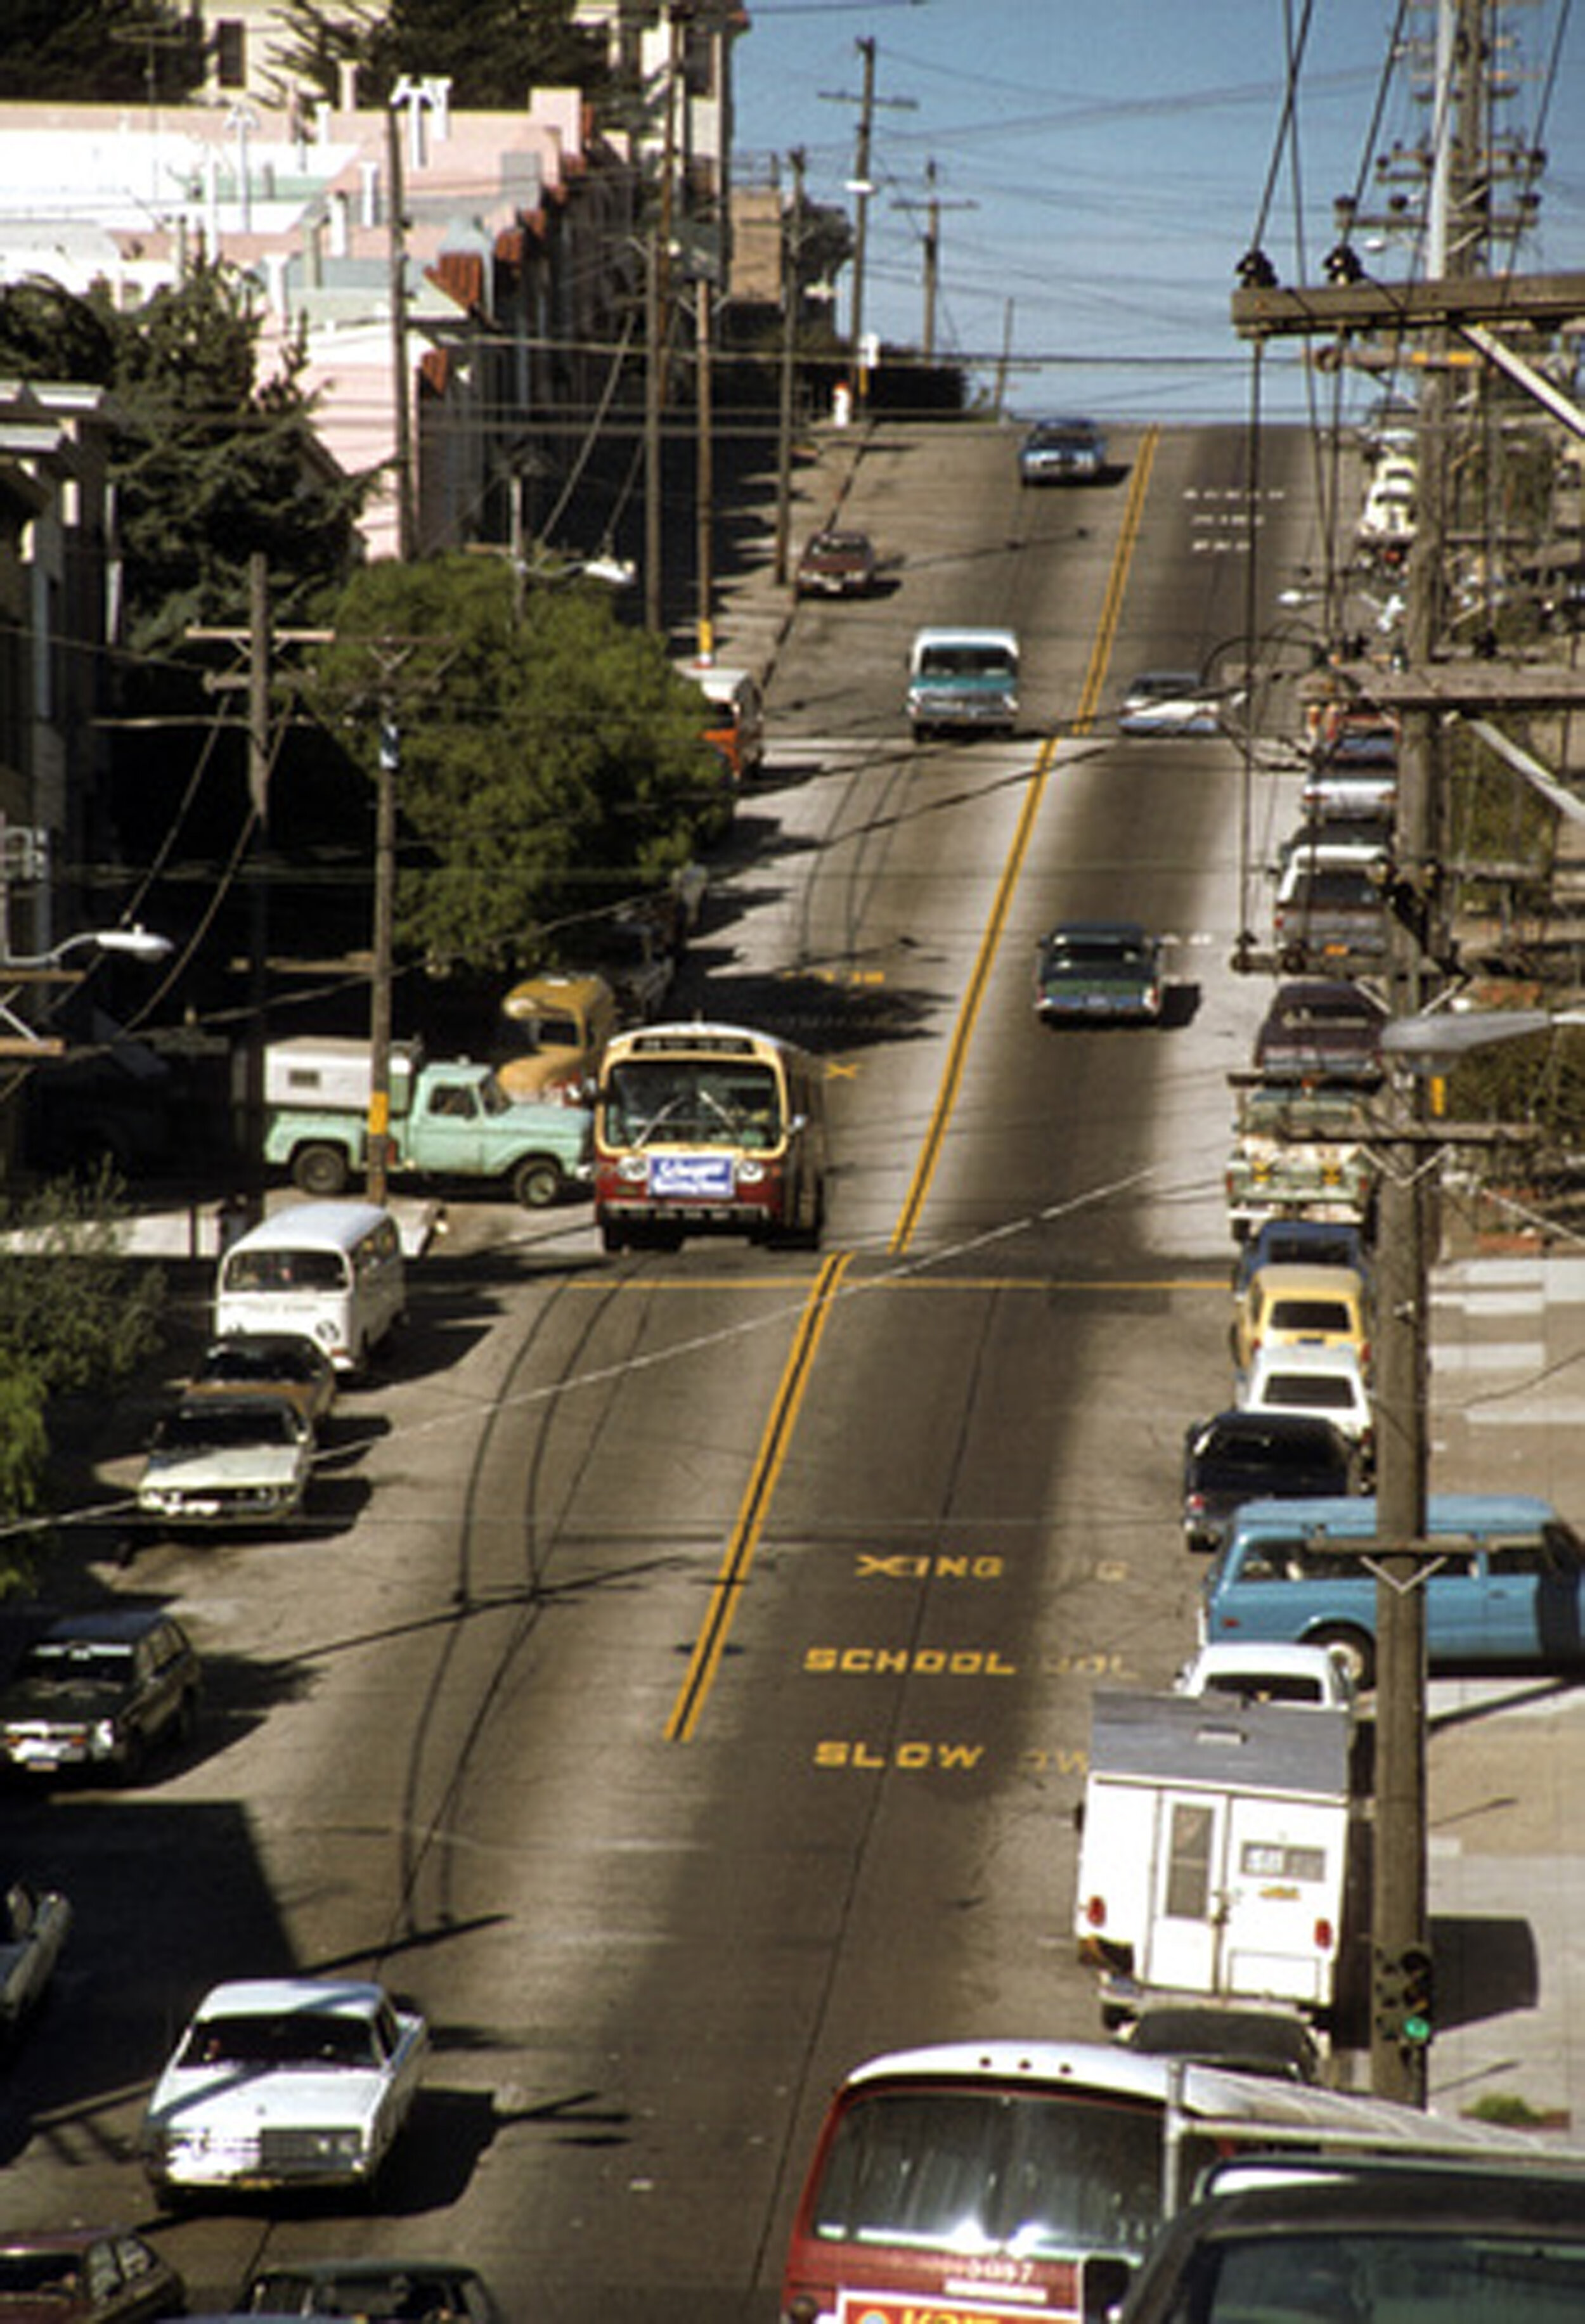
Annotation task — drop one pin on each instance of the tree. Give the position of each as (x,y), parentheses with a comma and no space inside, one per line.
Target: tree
(550,758)
(209,464)
(75,1315)
(99,51)
(492,51)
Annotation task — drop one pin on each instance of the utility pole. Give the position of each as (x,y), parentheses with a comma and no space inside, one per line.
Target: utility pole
(705,476)
(862,191)
(931,244)
(376,1170)
(259,656)
(656,331)
(1452,299)
(792,281)
(407,514)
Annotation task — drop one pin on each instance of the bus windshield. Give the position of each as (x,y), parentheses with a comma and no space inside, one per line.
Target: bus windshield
(975,2171)
(694,1102)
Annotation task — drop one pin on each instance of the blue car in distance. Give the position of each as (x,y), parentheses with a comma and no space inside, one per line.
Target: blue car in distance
(1508,1588)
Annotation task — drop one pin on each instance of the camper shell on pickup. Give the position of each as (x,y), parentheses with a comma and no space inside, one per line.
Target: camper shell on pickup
(1215,1856)
(448,1119)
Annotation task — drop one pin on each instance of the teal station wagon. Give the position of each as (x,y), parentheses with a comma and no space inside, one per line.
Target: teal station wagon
(1509,1586)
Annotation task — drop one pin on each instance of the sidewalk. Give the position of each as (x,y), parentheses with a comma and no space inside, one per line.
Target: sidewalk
(1506,1810)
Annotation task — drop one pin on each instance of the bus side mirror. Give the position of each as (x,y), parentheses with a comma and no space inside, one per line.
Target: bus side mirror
(796,1125)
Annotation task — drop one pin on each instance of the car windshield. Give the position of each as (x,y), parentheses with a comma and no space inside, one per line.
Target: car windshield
(285,1270)
(966,661)
(407,2295)
(225,1427)
(37,2275)
(78,1661)
(1116,952)
(278,1360)
(304,2037)
(1311,1392)
(1457,2275)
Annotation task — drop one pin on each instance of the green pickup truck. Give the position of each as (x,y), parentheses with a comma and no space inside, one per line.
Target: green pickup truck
(1301,1153)
(448,1120)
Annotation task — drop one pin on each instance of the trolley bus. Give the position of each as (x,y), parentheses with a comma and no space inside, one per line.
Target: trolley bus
(708,1129)
(975,2183)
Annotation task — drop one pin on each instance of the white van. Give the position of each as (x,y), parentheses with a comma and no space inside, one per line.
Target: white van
(331,1272)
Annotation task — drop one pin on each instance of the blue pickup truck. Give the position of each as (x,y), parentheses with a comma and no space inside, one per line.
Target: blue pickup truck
(1509,1586)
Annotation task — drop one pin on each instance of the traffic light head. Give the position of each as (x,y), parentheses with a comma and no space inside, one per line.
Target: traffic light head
(1418,1994)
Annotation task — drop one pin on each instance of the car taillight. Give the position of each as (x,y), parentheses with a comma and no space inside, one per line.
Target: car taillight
(1095,1911)
(1325,1934)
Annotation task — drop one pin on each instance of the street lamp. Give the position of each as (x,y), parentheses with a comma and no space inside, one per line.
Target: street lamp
(21,1039)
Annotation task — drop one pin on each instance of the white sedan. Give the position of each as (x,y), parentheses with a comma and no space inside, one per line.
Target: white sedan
(284,2082)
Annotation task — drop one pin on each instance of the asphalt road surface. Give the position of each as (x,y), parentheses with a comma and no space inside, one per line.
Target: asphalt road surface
(683,1693)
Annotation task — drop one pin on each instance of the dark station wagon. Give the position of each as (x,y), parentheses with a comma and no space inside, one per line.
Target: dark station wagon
(92,1692)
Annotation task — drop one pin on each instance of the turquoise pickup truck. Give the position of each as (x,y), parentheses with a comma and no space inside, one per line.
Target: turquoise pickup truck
(448,1120)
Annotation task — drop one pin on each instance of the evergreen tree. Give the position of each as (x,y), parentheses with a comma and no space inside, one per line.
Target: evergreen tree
(99,51)
(492,51)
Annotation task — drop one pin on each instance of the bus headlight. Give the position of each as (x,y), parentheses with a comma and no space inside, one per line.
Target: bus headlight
(632,1169)
(749,1174)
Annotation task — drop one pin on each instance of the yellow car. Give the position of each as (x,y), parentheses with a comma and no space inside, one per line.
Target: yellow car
(1302,1306)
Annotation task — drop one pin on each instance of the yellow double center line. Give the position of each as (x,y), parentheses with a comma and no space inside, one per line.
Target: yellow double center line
(984,959)
(744,1538)
(733,1570)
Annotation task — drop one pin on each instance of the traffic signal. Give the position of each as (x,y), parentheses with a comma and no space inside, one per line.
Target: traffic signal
(1405,1996)
(1418,1989)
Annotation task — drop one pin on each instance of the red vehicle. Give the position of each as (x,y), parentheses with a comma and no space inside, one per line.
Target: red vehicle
(708,1129)
(970,2183)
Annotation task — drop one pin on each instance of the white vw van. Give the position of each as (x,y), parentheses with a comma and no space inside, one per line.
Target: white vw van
(332,1272)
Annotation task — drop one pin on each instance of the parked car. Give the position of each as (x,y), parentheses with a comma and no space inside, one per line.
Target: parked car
(1327,1381)
(234,1460)
(267,1363)
(1354,774)
(1506,1587)
(86,2275)
(375,2290)
(1248,2041)
(1301,1151)
(1338,2241)
(837,563)
(1091,970)
(1328,914)
(1063,451)
(96,1691)
(1306,1678)
(1246,1456)
(34,1925)
(1169,702)
(1320,1029)
(284,2082)
(1302,1306)
(1302,1242)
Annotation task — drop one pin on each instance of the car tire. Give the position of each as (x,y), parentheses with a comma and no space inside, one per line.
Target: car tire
(320,1169)
(536,1182)
(1356,1648)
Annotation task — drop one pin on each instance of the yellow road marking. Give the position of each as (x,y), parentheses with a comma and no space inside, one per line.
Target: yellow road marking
(868,1285)
(733,1572)
(957,1051)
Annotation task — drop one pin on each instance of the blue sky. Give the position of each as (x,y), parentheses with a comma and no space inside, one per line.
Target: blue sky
(1102,164)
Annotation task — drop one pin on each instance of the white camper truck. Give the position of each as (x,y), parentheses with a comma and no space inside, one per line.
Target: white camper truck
(1214,1858)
